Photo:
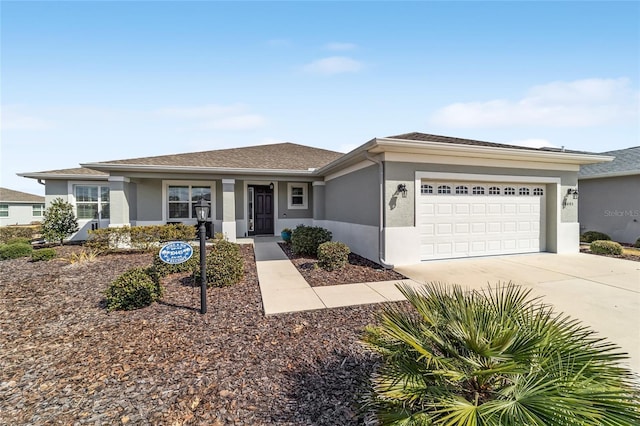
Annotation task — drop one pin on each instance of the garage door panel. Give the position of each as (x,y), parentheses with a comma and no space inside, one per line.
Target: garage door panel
(456,225)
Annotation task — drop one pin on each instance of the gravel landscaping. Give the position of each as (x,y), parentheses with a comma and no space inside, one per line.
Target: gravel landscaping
(65,360)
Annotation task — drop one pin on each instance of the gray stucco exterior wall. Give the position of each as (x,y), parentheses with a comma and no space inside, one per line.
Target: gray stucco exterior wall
(239,197)
(354,198)
(55,189)
(148,199)
(611,205)
(284,212)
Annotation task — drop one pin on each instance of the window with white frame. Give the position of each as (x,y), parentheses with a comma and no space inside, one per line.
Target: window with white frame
(509,191)
(478,190)
(462,189)
(494,190)
(444,189)
(4,210)
(297,195)
(524,191)
(92,201)
(538,191)
(426,189)
(182,198)
(37,210)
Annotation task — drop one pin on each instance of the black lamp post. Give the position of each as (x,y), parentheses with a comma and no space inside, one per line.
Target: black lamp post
(202,213)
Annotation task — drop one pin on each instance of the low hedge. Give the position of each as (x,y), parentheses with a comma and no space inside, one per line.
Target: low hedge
(605,247)
(591,236)
(15,251)
(43,254)
(136,288)
(29,232)
(138,237)
(637,244)
(333,255)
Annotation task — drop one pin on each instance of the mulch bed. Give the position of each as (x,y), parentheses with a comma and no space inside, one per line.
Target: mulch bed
(65,360)
(359,270)
(622,256)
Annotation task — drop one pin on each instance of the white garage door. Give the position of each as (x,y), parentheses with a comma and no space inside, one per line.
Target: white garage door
(480,219)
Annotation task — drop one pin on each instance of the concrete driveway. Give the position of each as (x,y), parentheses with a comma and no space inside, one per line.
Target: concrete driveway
(603,292)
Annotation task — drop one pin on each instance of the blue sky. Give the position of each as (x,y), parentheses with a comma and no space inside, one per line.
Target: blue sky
(96,81)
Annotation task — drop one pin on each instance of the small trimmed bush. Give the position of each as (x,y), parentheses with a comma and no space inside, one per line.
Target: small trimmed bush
(19,240)
(637,244)
(134,289)
(164,269)
(14,251)
(605,247)
(9,232)
(305,240)
(138,237)
(333,255)
(43,254)
(591,236)
(225,266)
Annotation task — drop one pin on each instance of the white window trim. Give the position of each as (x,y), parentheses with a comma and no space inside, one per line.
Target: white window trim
(165,200)
(305,195)
(7,209)
(72,195)
(33,212)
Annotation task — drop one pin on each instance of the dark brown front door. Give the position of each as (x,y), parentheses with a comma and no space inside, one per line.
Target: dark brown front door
(263,210)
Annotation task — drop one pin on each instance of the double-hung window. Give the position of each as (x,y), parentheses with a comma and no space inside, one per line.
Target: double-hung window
(298,195)
(37,210)
(182,198)
(92,201)
(4,210)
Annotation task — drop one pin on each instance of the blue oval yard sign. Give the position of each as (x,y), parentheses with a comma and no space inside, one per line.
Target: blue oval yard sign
(176,252)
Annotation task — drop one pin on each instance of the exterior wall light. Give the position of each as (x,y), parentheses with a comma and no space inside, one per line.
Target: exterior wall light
(402,188)
(271,185)
(572,192)
(202,213)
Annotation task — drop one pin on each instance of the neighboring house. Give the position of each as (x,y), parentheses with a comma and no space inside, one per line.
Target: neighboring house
(20,208)
(610,196)
(396,200)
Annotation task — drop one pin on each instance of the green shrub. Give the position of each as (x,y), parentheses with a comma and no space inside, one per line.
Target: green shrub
(59,221)
(333,255)
(14,251)
(43,254)
(591,236)
(136,288)
(19,240)
(494,357)
(164,269)
(637,244)
(225,265)
(138,237)
(9,232)
(306,239)
(605,247)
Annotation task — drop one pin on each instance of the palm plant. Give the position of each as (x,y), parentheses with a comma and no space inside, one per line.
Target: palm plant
(493,357)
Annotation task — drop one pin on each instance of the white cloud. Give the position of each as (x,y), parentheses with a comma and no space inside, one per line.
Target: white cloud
(340,46)
(333,65)
(534,143)
(579,103)
(220,117)
(13,117)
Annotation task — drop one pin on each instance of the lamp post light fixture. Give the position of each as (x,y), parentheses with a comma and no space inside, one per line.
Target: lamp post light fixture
(202,213)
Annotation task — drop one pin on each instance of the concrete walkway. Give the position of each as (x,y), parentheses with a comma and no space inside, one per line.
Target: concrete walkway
(283,289)
(602,292)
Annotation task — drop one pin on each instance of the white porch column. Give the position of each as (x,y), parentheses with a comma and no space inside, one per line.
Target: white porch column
(229,209)
(119,201)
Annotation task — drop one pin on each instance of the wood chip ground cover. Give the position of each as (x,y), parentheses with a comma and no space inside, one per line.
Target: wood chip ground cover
(65,360)
(359,270)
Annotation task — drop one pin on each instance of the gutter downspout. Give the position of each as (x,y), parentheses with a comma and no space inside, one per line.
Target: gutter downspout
(41,182)
(380,164)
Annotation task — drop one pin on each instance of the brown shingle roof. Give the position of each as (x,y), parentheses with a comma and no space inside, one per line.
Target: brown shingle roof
(423,137)
(284,156)
(10,195)
(76,171)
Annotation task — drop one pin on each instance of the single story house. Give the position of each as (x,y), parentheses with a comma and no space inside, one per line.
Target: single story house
(20,208)
(610,196)
(396,200)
